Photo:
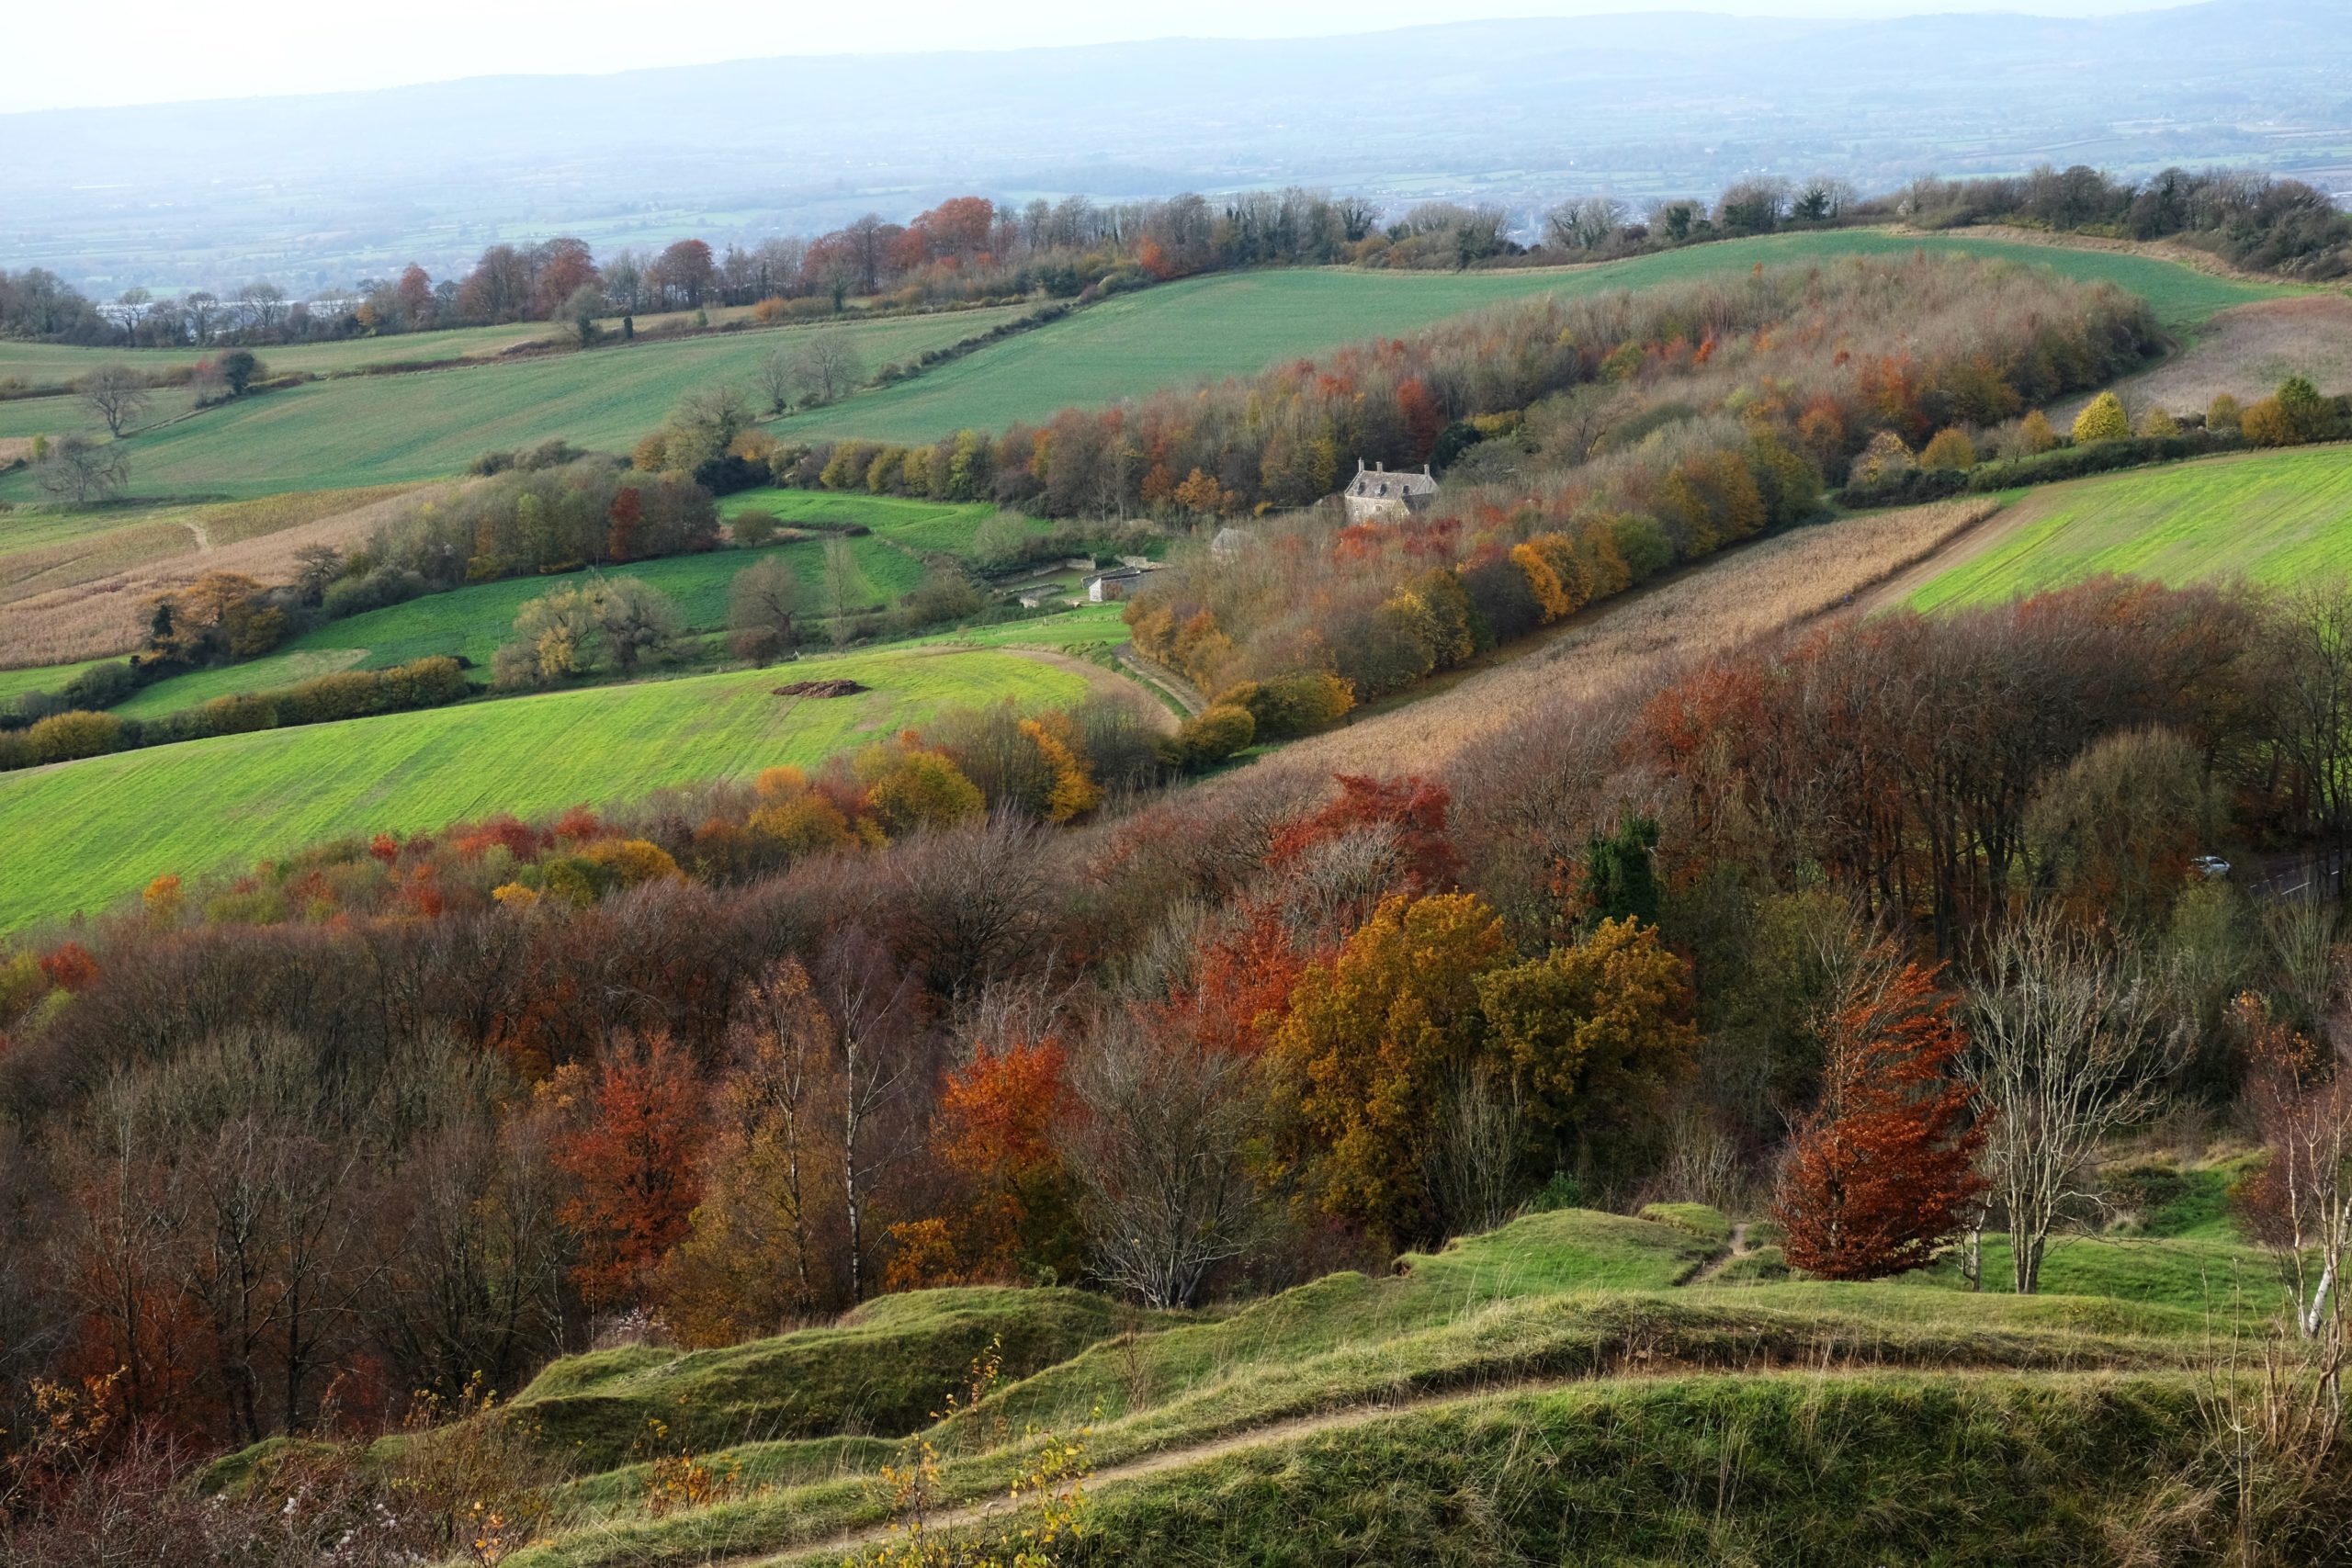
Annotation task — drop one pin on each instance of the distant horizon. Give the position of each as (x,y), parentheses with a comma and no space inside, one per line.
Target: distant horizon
(266,49)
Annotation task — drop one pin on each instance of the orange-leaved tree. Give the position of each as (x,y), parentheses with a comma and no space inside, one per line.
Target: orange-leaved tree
(626,1140)
(1884,1172)
(997,1136)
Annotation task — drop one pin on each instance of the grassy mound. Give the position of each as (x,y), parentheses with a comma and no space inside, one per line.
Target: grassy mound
(1823,1471)
(2272,517)
(886,1368)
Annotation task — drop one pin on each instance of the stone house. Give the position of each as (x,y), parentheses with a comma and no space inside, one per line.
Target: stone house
(1376,495)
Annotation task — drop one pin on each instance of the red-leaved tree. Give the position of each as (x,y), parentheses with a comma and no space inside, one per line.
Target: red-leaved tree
(627,1143)
(1884,1172)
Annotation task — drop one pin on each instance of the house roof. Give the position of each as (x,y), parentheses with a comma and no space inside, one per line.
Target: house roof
(1378,483)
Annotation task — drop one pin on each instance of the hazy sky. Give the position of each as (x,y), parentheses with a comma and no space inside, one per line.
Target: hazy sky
(162,51)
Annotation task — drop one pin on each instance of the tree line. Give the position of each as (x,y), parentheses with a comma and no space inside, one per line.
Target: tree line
(969,250)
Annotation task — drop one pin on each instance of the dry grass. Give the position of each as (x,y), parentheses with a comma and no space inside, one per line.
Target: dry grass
(2247,352)
(75,588)
(1744,593)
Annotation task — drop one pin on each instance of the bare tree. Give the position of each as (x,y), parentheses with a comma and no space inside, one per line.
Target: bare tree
(775,379)
(763,608)
(115,393)
(873,1001)
(264,304)
(1161,1156)
(783,1046)
(82,472)
(828,366)
(1585,224)
(2070,1045)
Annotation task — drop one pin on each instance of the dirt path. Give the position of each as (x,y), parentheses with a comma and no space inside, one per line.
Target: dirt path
(831,1550)
(1734,1250)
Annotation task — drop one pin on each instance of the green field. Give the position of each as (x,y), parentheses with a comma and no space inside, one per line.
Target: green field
(108,825)
(371,430)
(2283,518)
(940,527)
(1233,323)
(474,621)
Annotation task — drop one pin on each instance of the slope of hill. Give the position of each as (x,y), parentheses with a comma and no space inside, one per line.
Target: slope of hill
(372,430)
(2283,518)
(1584,1359)
(1208,327)
(107,825)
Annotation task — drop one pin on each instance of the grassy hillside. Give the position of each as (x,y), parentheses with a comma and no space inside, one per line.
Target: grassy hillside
(375,429)
(48,364)
(1407,1419)
(2275,517)
(1233,323)
(473,621)
(108,825)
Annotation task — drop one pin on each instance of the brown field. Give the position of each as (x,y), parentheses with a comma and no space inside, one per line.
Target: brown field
(75,587)
(2247,352)
(1740,595)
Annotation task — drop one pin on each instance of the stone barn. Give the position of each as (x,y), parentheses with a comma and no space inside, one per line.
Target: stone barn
(1377,495)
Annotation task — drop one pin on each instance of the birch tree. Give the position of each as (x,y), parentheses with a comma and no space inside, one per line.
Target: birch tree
(2070,1046)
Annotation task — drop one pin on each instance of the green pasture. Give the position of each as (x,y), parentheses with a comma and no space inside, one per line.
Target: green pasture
(371,430)
(1233,323)
(105,826)
(2282,518)
(932,526)
(474,621)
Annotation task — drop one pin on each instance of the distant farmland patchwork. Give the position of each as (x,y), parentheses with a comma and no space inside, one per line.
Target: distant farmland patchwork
(110,824)
(1236,322)
(2282,518)
(371,430)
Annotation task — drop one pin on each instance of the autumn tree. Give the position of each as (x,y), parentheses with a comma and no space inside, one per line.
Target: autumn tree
(757,1255)
(996,1136)
(1881,1174)
(1592,1038)
(1385,1031)
(2102,419)
(629,1131)
(827,367)
(82,472)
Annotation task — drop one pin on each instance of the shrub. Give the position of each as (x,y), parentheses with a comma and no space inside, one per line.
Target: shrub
(2267,424)
(1212,735)
(2223,414)
(2034,434)
(2156,425)
(66,736)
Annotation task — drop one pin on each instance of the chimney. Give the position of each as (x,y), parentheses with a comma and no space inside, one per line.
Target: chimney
(1359,465)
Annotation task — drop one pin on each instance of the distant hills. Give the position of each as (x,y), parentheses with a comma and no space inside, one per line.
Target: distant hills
(320,188)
